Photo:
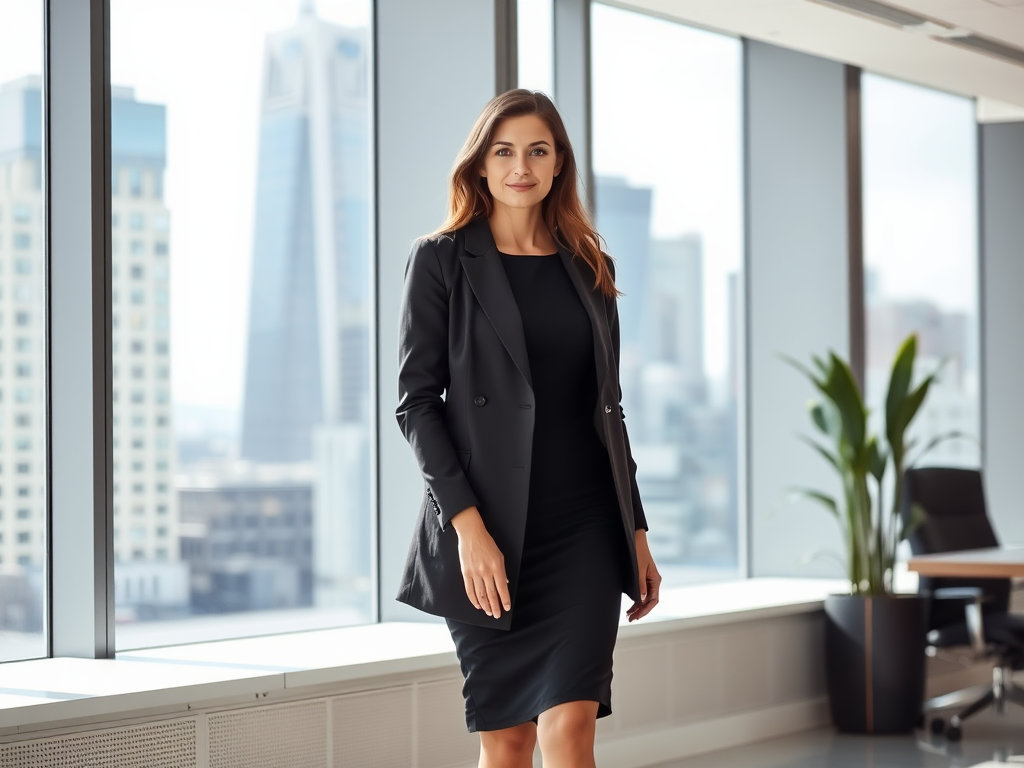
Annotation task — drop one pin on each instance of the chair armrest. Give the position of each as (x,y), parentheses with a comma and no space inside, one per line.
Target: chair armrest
(972,611)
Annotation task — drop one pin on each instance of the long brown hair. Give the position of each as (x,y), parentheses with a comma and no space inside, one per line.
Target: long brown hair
(568,221)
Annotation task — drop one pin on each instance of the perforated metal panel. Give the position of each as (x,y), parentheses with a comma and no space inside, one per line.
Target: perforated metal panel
(373,730)
(442,738)
(169,744)
(280,736)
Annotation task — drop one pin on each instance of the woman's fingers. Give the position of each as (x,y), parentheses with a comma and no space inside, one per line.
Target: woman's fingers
(650,590)
(471,591)
(506,598)
(492,598)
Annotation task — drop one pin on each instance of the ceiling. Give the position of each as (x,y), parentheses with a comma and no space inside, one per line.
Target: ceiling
(854,39)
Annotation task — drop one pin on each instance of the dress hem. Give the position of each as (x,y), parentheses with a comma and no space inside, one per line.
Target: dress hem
(604,708)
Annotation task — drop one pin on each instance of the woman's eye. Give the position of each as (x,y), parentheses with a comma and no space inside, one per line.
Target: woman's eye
(504,152)
(539,151)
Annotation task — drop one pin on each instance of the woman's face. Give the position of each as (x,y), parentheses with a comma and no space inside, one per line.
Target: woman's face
(521,163)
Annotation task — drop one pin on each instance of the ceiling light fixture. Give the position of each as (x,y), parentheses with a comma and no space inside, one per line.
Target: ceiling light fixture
(933,28)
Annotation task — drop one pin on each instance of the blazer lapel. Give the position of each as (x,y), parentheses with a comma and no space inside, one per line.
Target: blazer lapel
(583,278)
(490,286)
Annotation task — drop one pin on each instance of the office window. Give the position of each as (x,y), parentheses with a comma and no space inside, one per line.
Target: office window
(21,213)
(667,146)
(535,56)
(268,382)
(135,182)
(136,221)
(921,253)
(23,580)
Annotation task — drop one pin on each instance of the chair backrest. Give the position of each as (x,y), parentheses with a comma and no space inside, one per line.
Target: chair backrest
(954,502)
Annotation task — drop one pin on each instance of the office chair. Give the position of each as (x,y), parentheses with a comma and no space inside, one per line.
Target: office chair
(964,611)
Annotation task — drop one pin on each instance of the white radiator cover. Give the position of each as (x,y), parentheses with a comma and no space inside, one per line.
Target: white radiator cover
(169,744)
(674,694)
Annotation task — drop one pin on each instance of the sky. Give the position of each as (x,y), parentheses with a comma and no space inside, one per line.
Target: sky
(667,114)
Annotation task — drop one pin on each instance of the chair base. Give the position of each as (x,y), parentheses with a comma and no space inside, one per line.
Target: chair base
(1001,692)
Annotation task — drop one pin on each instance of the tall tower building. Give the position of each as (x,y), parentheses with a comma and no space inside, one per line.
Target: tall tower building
(307,394)
(22,347)
(308,345)
(145,507)
(674,310)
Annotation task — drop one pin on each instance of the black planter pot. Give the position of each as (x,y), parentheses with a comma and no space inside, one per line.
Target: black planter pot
(875,661)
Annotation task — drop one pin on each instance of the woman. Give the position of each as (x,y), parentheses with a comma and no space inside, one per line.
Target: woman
(531,526)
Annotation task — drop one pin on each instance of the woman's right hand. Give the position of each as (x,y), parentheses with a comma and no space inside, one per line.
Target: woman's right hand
(483,565)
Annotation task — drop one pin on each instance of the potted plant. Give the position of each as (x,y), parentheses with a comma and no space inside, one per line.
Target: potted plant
(875,639)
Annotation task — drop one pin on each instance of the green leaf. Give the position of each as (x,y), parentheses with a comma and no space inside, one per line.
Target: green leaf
(824,452)
(799,366)
(822,554)
(878,458)
(841,387)
(819,416)
(812,495)
(917,518)
(935,442)
(899,379)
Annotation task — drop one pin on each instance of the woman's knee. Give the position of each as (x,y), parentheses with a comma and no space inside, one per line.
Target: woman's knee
(510,743)
(572,723)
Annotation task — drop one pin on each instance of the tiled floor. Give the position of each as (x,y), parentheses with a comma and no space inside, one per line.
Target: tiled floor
(988,738)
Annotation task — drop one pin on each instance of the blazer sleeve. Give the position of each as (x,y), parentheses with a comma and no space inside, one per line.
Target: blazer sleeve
(423,377)
(639,518)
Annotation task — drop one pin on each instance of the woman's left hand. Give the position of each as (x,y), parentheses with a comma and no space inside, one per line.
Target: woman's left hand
(650,579)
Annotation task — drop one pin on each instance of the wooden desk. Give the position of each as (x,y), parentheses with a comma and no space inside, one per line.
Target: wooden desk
(994,563)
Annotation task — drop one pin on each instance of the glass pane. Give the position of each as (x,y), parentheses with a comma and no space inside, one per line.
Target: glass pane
(22,335)
(668,169)
(921,253)
(536,45)
(242,285)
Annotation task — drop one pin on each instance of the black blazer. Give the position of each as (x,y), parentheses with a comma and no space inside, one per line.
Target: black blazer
(466,408)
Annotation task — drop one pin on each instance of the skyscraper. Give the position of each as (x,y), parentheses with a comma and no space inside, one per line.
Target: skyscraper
(22,358)
(307,394)
(308,343)
(149,572)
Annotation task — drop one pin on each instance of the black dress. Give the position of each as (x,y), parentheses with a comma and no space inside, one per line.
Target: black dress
(567,605)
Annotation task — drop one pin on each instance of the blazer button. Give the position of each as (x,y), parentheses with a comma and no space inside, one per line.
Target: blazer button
(480,401)
(607,409)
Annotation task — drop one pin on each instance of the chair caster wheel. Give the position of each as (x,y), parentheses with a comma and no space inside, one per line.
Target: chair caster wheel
(938,726)
(953,733)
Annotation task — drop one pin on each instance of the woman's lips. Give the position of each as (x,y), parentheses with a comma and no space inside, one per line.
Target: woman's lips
(522,187)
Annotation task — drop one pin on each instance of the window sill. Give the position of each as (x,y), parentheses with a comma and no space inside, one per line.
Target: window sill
(41,693)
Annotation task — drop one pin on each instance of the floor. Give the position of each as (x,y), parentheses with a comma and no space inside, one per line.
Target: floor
(989,740)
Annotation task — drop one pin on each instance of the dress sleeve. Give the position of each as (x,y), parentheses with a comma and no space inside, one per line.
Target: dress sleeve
(423,378)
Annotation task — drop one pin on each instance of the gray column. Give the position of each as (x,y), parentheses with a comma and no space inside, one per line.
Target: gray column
(797,282)
(77,180)
(1002,316)
(435,72)
(572,84)
(506,46)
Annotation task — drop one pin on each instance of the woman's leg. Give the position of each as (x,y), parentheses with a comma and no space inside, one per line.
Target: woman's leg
(566,734)
(508,747)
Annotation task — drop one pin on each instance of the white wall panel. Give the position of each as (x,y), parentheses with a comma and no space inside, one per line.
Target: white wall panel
(797,292)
